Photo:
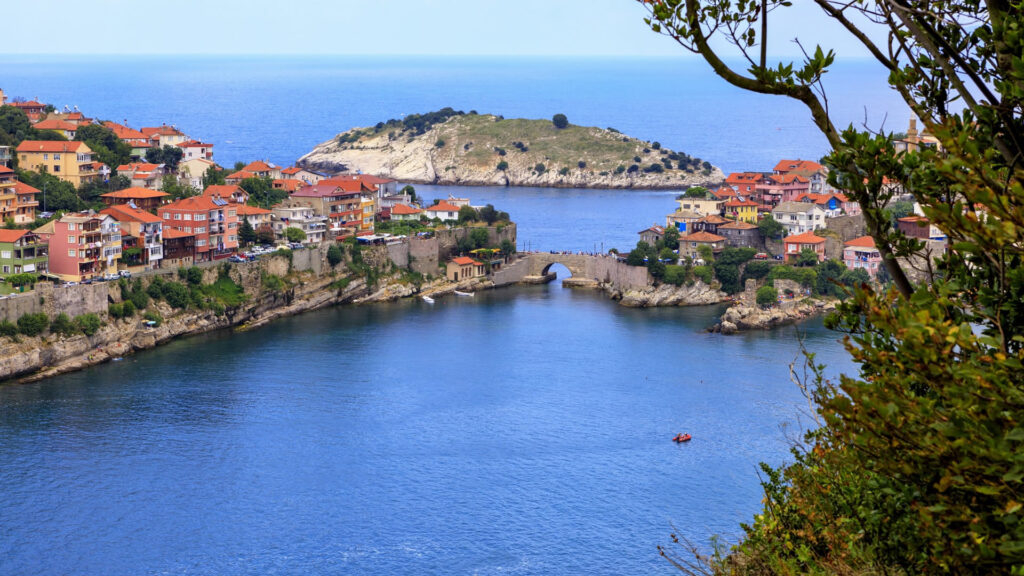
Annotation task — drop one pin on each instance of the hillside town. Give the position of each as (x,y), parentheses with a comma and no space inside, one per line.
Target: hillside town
(170,205)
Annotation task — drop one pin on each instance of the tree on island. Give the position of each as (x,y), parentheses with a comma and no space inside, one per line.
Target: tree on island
(914,466)
(560,121)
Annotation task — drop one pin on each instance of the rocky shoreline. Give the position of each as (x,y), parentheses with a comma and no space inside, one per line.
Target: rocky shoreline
(744,317)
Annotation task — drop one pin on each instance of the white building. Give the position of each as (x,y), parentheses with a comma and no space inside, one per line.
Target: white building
(799,217)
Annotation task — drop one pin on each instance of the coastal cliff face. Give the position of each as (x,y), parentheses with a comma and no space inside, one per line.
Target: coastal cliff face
(743,317)
(699,294)
(482,149)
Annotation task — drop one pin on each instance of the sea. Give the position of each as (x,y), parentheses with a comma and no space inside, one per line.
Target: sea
(523,431)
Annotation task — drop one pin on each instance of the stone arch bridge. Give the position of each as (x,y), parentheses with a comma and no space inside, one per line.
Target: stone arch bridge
(602,268)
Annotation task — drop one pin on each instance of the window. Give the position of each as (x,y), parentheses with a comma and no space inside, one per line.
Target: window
(56,167)
(200,229)
(231,212)
(5,254)
(167,216)
(71,253)
(200,217)
(188,229)
(46,156)
(200,242)
(177,216)
(232,238)
(189,217)
(56,156)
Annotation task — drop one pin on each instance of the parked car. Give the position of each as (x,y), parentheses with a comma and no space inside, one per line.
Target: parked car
(125,274)
(760,256)
(111,276)
(778,256)
(236,258)
(296,245)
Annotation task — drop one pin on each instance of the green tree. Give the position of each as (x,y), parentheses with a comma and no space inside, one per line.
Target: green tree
(293,234)
(540,168)
(468,214)
(671,238)
(899,209)
(489,215)
(508,247)
(915,466)
(61,324)
(14,127)
(807,258)
(766,296)
(667,254)
(246,233)
(656,268)
(262,192)
(265,235)
(696,192)
(88,324)
(502,166)
(214,176)
(408,189)
(479,238)
(169,156)
(829,273)
(33,324)
(106,146)
(706,253)
(560,121)
(334,255)
(771,228)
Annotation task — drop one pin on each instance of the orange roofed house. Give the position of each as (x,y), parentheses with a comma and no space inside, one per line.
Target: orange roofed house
(464,268)
(143,174)
(796,244)
(17,199)
(815,173)
(142,198)
(142,241)
(338,201)
(69,161)
(690,243)
(213,221)
(862,253)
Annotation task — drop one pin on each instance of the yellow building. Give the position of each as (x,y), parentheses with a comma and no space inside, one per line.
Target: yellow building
(702,206)
(69,161)
(368,203)
(742,210)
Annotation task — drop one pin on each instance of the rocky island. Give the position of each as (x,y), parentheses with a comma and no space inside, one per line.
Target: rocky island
(450,147)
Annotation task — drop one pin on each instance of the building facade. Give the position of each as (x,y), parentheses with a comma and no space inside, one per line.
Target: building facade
(69,161)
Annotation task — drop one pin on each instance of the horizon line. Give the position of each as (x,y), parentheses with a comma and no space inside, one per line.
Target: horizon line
(680,56)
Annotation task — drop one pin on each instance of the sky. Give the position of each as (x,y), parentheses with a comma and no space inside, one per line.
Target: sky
(376,27)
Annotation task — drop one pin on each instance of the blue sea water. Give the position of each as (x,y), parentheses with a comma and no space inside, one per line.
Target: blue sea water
(524,431)
(278,108)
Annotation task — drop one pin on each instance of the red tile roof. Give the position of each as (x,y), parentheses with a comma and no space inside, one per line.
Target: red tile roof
(348,184)
(137,167)
(11,235)
(913,218)
(402,209)
(805,238)
(443,207)
(241,175)
(124,132)
(289,184)
(862,242)
(164,130)
(223,190)
(194,144)
(320,191)
(22,188)
(465,261)
(135,193)
(175,233)
(56,124)
(192,203)
(740,203)
(785,166)
(656,229)
(246,210)
(291,170)
(49,146)
(5,169)
(258,166)
(125,213)
(702,237)
(740,225)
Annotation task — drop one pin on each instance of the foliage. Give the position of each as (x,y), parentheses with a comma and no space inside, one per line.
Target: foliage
(489,215)
(806,277)
(560,121)
(479,237)
(766,296)
(169,156)
(246,233)
(807,257)
(468,214)
(439,143)
(22,279)
(899,209)
(334,255)
(728,275)
(756,269)
(502,166)
(59,195)
(105,145)
(265,235)
(153,316)
(736,255)
(262,192)
(214,176)
(88,324)
(656,268)
(539,168)
(293,234)
(671,238)
(677,275)
(706,253)
(61,324)
(771,228)
(8,328)
(273,283)
(175,294)
(33,324)
(14,126)
(193,275)
(666,253)
(508,247)
(703,273)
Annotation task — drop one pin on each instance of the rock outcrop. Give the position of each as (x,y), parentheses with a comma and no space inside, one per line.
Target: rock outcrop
(742,317)
(698,294)
(481,149)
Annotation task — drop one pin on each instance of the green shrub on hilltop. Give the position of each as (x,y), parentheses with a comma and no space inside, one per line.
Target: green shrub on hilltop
(766,296)
(8,328)
(33,324)
(61,324)
(88,324)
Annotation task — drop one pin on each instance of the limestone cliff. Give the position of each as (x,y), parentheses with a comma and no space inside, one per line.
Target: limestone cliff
(482,149)
(697,294)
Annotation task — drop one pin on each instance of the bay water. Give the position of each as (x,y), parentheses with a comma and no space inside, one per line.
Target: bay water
(524,431)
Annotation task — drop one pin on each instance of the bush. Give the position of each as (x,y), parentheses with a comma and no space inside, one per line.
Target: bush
(667,254)
(294,234)
(8,328)
(757,269)
(176,294)
(581,164)
(128,309)
(33,324)
(656,268)
(273,282)
(24,279)
(140,299)
(540,168)
(62,325)
(656,145)
(703,273)
(155,289)
(334,255)
(676,275)
(633,168)
(766,296)
(728,276)
(153,316)
(439,143)
(563,171)
(502,166)
(88,324)
(193,275)
(560,121)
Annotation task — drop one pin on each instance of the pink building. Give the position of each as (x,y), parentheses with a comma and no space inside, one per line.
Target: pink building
(861,253)
(82,246)
(796,244)
(211,219)
(776,188)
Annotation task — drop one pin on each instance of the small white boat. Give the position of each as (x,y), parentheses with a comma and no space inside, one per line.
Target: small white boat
(428,299)
(470,294)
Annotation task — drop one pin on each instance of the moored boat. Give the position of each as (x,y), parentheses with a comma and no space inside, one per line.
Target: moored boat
(458,293)
(428,299)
